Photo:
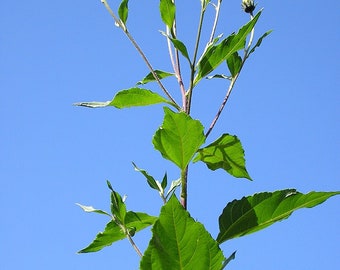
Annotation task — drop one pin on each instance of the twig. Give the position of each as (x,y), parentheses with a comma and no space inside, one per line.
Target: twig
(134,43)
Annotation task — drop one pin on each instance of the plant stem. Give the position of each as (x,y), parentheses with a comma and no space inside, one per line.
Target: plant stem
(184,188)
(233,81)
(231,85)
(217,7)
(193,68)
(134,245)
(134,43)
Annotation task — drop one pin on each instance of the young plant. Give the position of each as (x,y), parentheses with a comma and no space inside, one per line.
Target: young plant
(178,241)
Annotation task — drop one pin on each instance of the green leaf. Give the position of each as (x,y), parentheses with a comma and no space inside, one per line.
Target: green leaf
(151,181)
(259,41)
(164,181)
(113,232)
(150,78)
(179,45)
(254,213)
(179,242)
(216,54)
(136,97)
(234,63)
(118,207)
(90,209)
(179,137)
(127,98)
(123,11)
(225,153)
(168,11)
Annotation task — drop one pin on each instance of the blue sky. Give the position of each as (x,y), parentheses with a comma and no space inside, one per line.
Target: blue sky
(284,109)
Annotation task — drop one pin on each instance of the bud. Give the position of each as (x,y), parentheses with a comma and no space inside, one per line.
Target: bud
(248,6)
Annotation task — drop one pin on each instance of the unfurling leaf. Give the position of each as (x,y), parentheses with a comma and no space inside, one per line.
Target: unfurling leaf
(168,10)
(225,153)
(180,242)
(179,137)
(134,222)
(254,213)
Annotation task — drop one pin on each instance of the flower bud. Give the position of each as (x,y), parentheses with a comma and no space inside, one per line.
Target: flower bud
(248,6)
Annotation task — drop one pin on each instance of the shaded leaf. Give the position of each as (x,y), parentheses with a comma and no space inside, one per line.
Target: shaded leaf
(254,213)
(230,258)
(179,242)
(167,10)
(179,137)
(164,181)
(150,78)
(259,41)
(113,232)
(123,11)
(225,153)
(234,63)
(216,54)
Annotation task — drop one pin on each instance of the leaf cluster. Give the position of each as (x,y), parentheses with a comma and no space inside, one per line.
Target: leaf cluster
(179,241)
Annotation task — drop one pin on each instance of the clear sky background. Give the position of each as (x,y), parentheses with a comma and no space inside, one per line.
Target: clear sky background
(284,109)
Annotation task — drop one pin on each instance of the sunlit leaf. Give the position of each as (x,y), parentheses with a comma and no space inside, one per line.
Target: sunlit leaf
(167,10)
(179,242)
(123,11)
(150,78)
(254,213)
(225,153)
(113,232)
(136,97)
(216,54)
(179,137)
(127,98)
